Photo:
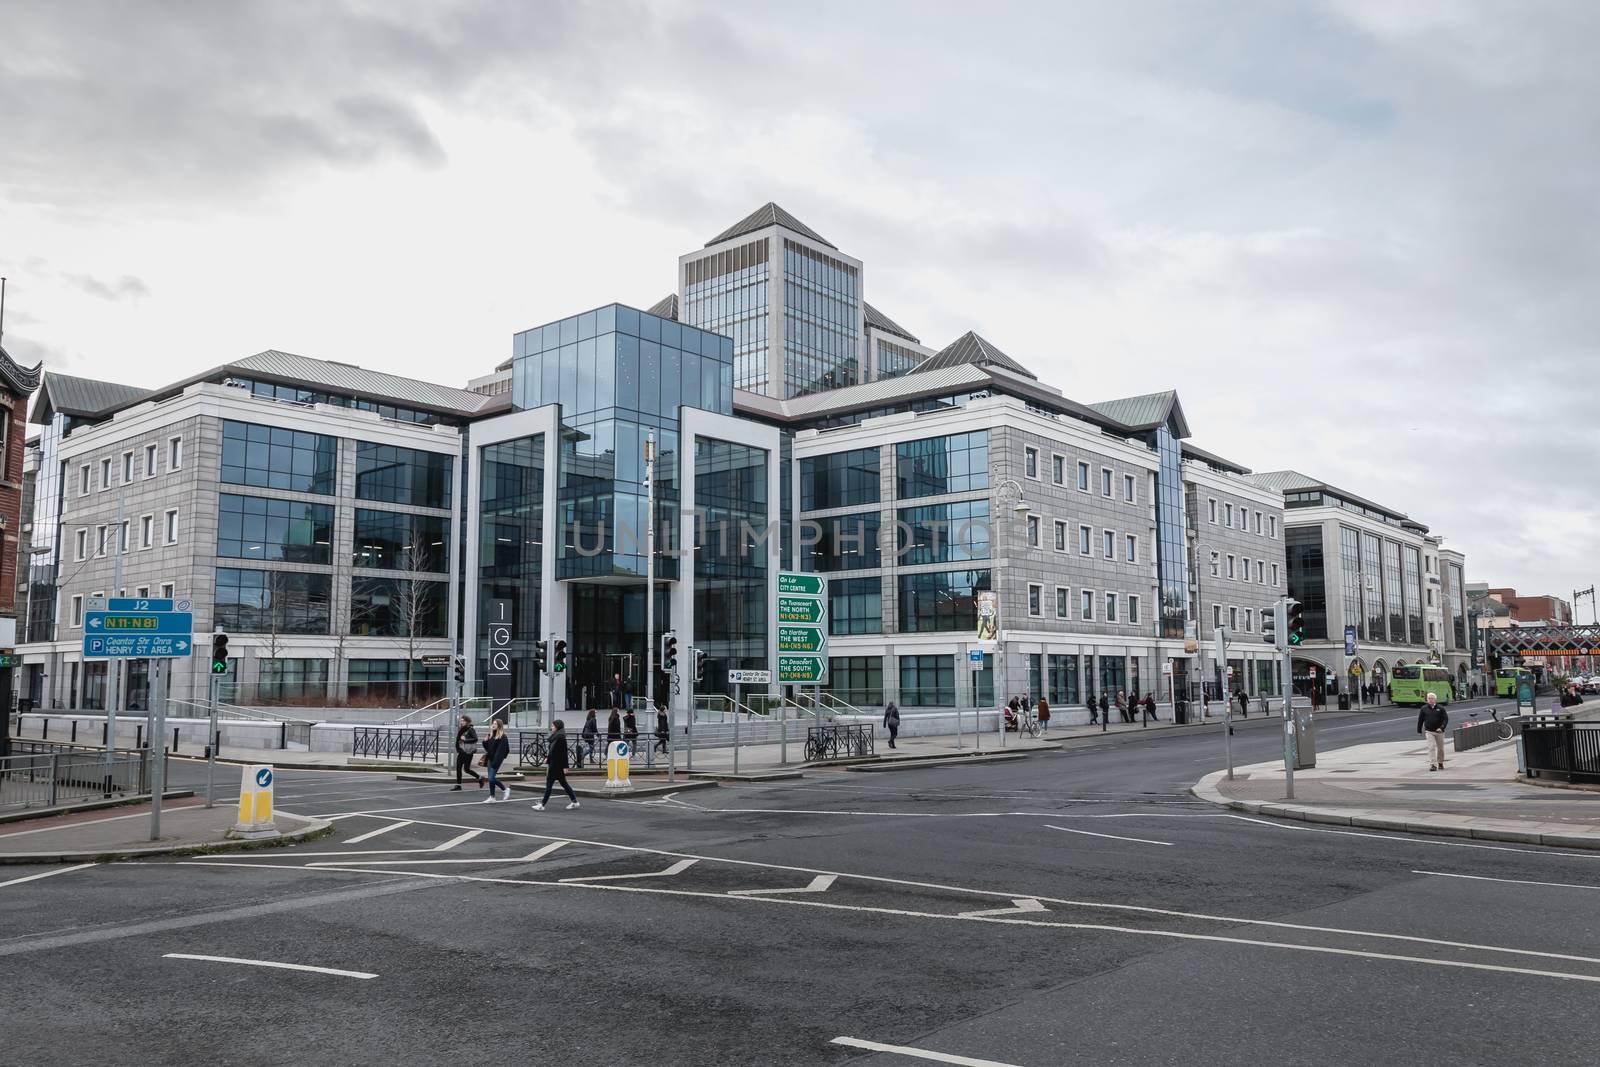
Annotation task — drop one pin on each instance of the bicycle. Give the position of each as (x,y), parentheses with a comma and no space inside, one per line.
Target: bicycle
(1503,730)
(1028,723)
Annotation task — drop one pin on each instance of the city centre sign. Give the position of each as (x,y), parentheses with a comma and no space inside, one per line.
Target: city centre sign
(801,622)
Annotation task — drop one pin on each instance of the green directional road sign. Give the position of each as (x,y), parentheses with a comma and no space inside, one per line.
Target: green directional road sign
(802,668)
(801,639)
(799,609)
(802,584)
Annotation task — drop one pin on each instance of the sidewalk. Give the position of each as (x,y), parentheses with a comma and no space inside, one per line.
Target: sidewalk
(1388,787)
(100,836)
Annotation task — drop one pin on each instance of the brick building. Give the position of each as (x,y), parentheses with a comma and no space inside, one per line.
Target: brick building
(16,383)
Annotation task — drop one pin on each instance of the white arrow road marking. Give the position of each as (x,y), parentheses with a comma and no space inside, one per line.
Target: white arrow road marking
(819,884)
(268,963)
(676,868)
(917,1053)
(446,847)
(1020,906)
(1114,837)
(370,834)
(46,874)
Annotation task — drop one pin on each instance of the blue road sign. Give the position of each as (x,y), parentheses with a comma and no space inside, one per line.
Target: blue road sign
(138,622)
(128,603)
(137,646)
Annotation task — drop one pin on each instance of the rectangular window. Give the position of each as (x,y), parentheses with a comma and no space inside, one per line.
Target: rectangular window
(1258,522)
(265,601)
(1086,605)
(1127,488)
(943,601)
(170,526)
(105,474)
(1216,616)
(393,680)
(83,480)
(927,681)
(398,607)
(1063,602)
(1212,506)
(1233,618)
(1105,481)
(1274,575)
(389,539)
(1083,476)
(1030,462)
(1246,620)
(1108,544)
(292,678)
(1084,536)
(123,529)
(1133,609)
(857,680)
(1058,470)
(252,527)
(1272,526)
(127,467)
(100,540)
(77,610)
(855,606)
(1133,548)
(1061,536)
(166,590)
(1244,570)
(1111,607)
(936,465)
(143,592)
(1261,573)
(935,533)
(147,531)
(402,475)
(1035,599)
(149,461)
(1230,566)
(1244,519)
(850,542)
(839,480)
(83,544)
(175,454)
(1227,515)
(271,457)
(1033,531)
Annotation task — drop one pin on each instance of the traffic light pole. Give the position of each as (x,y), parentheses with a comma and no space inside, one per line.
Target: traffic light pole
(650,573)
(1286,688)
(211,739)
(1220,644)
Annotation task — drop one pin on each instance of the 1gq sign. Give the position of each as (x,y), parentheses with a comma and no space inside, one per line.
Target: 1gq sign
(498,621)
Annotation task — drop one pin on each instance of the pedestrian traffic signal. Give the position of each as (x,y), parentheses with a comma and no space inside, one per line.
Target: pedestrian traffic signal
(219,653)
(560,663)
(699,665)
(1295,628)
(1269,625)
(539,648)
(669,651)
(460,666)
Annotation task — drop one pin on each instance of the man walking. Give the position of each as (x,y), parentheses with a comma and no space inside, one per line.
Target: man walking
(891,721)
(555,767)
(1431,721)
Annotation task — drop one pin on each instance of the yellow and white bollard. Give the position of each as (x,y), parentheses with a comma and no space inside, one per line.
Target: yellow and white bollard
(255,804)
(617,753)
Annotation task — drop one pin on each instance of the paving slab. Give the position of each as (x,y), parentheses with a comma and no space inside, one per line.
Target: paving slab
(187,826)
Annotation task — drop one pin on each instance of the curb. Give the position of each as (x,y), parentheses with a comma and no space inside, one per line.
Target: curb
(1408,822)
(532,784)
(91,805)
(313,829)
(921,762)
(758,776)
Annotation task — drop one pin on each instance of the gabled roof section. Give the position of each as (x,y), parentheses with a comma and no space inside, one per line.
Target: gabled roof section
(769,214)
(85,398)
(1147,412)
(970,348)
(19,379)
(878,320)
(665,308)
(1286,481)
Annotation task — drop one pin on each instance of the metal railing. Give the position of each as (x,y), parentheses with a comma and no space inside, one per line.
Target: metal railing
(534,748)
(1558,747)
(395,743)
(1478,734)
(839,742)
(44,779)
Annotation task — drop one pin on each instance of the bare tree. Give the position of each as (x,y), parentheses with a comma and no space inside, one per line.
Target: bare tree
(272,620)
(414,600)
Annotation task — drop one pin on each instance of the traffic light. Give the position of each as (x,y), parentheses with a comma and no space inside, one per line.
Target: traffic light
(1269,625)
(560,664)
(1295,628)
(699,665)
(460,664)
(539,649)
(219,653)
(669,651)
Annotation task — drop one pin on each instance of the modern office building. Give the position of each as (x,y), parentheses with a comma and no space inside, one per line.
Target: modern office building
(1373,574)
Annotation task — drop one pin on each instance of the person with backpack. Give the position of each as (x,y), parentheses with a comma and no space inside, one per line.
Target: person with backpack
(555,767)
(466,748)
(495,751)
(891,722)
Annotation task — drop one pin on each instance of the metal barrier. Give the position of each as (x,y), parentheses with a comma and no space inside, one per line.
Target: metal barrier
(839,742)
(387,742)
(46,779)
(534,748)
(1478,734)
(1557,747)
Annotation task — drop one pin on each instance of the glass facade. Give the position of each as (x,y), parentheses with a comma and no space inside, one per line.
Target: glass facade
(511,550)
(839,480)
(1372,588)
(271,457)
(1412,589)
(941,601)
(730,567)
(1393,597)
(728,293)
(943,533)
(292,531)
(927,681)
(822,321)
(934,466)
(1350,575)
(271,601)
(1307,581)
(398,607)
(1063,680)
(396,540)
(1455,606)
(1172,563)
(49,482)
(856,680)
(293,394)
(402,475)
(843,543)
(895,360)
(855,606)
(291,679)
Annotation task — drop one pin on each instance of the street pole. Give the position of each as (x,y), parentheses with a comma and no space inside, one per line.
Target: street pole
(156,745)
(1227,714)
(650,569)
(116,670)
(738,698)
(1286,688)
(211,740)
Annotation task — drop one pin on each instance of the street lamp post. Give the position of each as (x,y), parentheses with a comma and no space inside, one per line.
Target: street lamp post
(1003,490)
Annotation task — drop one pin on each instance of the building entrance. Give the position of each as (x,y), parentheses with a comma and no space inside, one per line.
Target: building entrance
(607,641)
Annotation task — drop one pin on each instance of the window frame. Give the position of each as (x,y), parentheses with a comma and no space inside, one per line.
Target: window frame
(1035,600)
(175,453)
(127,466)
(1130,490)
(1111,607)
(169,526)
(105,473)
(1030,462)
(77,612)
(1083,476)
(1131,543)
(1061,535)
(1064,603)
(83,479)
(147,531)
(1085,540)
(82,544)
(1211,503)
(1108,544)
(1107,480)
(1086,605)
(1133,609)
(152,453)
(1035,531)
(1058,469)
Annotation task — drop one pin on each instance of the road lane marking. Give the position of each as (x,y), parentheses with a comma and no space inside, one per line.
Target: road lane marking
(454,841)
(819,884)
(370,834)
(336,972)
(676,868)
(1006,921)
(1020,906)
(46,874)
(1400,837)
(1508,881)
(1114,837)
(917,1053)
(540,853)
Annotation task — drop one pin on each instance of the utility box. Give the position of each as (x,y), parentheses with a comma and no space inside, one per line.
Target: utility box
(1305,738)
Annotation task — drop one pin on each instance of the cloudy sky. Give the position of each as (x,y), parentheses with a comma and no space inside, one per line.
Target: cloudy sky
(1360,239)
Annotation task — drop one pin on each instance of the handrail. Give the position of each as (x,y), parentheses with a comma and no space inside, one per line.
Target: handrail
(236,711)
(447,702)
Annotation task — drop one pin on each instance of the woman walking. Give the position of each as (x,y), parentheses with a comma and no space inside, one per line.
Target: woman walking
(495,751)
(614,726)
(589,734)
(555,767)
(630,729)
(891,721)
(466,748)
(1044,715)
(663,729)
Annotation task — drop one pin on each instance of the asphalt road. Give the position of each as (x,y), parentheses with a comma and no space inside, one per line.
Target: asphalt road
(1074,907)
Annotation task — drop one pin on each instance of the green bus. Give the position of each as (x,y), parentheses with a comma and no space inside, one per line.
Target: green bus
(1505,680)
(1412,683)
